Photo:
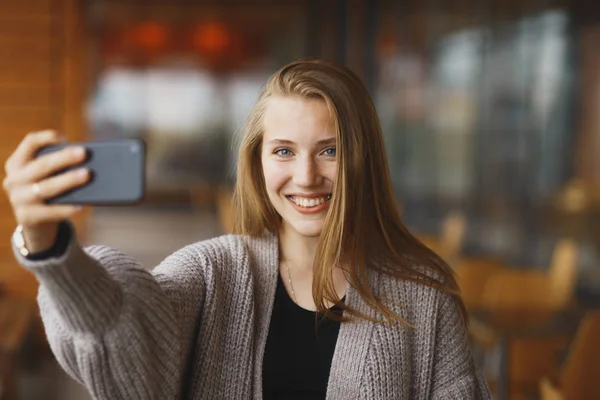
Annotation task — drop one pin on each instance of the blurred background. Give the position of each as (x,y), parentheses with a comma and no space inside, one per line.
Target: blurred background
(490,111)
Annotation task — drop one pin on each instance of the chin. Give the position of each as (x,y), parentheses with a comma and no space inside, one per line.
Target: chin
(308,228)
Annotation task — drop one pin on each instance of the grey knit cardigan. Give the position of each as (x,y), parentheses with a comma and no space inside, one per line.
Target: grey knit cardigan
(196,327)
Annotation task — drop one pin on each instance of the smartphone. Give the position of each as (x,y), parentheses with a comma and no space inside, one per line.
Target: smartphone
(118,171)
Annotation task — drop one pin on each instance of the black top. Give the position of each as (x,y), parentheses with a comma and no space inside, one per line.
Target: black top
(299,350)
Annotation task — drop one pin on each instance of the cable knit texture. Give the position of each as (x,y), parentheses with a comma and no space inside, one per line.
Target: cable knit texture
(196,327)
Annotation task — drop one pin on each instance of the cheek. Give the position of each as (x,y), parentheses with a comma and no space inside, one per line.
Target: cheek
(330,172)
(275,175)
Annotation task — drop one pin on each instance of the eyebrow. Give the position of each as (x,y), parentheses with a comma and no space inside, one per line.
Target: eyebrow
(323,142)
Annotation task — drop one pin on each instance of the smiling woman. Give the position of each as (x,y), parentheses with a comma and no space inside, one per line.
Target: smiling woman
(321,293)
(314,134)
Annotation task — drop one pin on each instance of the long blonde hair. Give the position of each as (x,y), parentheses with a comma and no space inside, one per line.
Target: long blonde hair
(363,230)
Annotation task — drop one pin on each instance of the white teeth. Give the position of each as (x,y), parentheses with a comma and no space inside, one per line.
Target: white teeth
(303,202)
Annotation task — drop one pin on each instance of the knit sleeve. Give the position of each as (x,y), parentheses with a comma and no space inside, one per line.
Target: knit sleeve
(455,375)
(115,327)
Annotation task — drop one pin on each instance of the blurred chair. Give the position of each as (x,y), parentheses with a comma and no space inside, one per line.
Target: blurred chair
(549,290)
(522,301)
(580,373)
(574,211)
(473,275)
(449,244)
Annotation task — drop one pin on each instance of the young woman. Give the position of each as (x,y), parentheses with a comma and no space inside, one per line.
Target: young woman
(321,293)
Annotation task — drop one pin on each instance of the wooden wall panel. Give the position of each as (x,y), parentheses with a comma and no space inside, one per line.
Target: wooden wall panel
(44,25)
(28,7)
(25,71)
(41,75)
(22,96)
(28,48)
(29,118)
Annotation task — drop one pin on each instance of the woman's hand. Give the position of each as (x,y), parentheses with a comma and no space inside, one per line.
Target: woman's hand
(30,181)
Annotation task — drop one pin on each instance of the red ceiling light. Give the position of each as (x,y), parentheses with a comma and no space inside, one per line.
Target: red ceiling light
(150,36)
(212,38)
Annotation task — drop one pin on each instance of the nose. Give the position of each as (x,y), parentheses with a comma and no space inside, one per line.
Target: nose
(306,173)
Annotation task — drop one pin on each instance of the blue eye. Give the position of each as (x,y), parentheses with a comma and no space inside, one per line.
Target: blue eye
(283,152)
(330,152)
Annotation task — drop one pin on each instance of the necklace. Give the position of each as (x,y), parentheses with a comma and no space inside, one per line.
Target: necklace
(287,266)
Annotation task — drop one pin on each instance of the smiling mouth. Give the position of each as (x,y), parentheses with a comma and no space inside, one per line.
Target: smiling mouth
(309,202)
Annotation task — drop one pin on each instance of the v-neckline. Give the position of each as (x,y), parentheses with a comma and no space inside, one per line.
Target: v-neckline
(353,339)
(288,299)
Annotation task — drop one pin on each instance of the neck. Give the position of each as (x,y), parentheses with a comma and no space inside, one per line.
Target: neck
(297,249)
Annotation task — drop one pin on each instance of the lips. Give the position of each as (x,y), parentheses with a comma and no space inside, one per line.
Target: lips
(310,204)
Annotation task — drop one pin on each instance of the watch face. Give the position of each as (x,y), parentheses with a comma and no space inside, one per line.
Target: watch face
(19,241)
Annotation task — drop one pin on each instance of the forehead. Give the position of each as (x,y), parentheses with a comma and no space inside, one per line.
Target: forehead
(296,118)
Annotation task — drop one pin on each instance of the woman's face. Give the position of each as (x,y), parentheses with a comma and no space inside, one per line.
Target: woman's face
(299,161)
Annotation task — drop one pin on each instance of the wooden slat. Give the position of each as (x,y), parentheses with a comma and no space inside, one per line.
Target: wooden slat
(27,119)
(42,26)
(26,101)
(45,86)
(34,5)
(26,81)
(31,71)
(8,112)
(26,6)
(21,96)
(27,19)
(16,48)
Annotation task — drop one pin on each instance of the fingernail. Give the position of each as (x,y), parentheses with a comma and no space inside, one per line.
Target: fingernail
(82,173)
(79,151)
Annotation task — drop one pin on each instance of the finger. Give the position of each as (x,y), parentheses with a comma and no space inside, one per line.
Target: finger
(26,150)
(48,188)
(36,214)
(49,164)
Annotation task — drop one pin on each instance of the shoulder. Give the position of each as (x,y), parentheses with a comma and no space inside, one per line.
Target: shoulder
(425,277)
(223,251)
(228,253)
(228,247)
(215,250)
(417,297)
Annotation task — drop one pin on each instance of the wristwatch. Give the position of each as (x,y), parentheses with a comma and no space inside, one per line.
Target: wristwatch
(19,241)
